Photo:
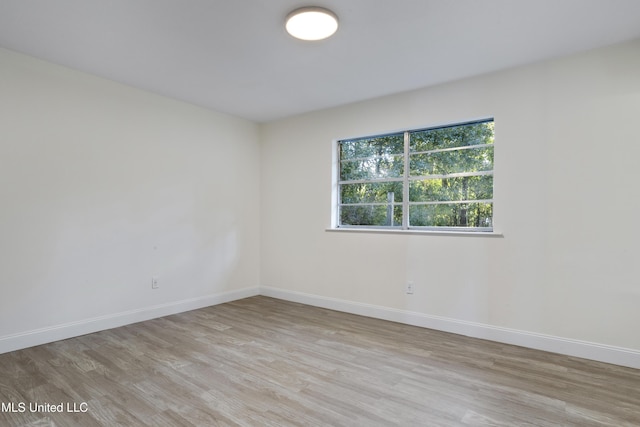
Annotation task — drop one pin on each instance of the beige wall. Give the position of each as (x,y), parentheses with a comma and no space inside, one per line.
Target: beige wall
(566,200)
(104,186)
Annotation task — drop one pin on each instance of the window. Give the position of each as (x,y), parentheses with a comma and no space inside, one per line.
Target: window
(447,185)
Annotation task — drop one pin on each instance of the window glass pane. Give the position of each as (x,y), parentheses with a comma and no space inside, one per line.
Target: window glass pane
(451,215)
(372,177)
(452,136)
(446,162)
(372,168)
(370,192)
(452,189)
(376,146)
(370,215)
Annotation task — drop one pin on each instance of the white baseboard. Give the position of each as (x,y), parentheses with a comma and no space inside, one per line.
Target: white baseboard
(570,347)
(87,326)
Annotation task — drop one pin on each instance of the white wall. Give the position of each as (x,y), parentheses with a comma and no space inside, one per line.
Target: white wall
(566,199)
(103,186)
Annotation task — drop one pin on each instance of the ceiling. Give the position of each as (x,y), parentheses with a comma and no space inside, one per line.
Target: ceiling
(234,56)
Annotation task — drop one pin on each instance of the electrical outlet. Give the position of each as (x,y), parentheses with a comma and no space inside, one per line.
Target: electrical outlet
(409,288)
(154,283)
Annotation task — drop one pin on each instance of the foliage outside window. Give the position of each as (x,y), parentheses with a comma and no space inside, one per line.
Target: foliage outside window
(438,178)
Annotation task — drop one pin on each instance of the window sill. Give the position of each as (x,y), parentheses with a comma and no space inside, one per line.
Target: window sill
(490,234)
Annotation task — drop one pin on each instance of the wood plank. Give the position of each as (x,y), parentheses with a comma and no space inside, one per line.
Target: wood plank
(262,361)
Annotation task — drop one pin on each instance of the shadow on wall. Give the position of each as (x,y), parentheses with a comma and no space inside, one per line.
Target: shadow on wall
(72,260)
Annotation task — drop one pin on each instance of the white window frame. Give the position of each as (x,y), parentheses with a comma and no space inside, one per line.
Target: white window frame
(406,179)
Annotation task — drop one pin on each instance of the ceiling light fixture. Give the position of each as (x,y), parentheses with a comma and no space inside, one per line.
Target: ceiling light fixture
(311,23)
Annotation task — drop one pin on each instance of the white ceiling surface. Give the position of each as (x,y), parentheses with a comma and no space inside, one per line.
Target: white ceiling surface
(234,56)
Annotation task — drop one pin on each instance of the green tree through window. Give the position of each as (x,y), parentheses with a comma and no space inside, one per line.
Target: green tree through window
(448,183)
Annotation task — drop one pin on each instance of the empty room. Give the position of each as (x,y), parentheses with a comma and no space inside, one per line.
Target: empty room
(332,213)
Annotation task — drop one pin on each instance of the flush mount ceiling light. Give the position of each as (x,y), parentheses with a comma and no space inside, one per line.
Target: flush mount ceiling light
(311,23)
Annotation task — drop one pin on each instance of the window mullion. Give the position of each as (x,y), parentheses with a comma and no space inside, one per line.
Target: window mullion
(451,175)
(462,147)
(373,181)
(405,185)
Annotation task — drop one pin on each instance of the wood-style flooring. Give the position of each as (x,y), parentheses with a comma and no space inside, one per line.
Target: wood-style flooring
(266,362)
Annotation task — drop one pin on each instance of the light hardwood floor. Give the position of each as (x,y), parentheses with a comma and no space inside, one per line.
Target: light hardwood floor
(265,362)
